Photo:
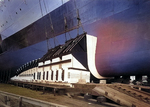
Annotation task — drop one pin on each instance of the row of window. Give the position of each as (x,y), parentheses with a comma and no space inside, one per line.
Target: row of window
(46,75)
(25,75)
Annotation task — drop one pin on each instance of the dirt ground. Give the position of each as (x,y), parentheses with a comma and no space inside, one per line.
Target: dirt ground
(58,99)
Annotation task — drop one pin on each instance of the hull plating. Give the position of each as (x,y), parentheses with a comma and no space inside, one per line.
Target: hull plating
(122,29)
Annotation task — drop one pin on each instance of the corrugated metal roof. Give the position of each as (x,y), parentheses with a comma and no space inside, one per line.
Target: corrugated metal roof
(61,50)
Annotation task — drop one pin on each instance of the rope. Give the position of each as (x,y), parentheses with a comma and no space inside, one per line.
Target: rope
(41,7)
(65,25)
(65,22)
(45,6)
(52,28)
(48,44)
(78,18)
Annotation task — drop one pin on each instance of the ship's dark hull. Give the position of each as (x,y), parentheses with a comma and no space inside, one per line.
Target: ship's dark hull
(123,46)
(122,29)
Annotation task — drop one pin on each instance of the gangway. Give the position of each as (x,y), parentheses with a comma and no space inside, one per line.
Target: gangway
(124,95)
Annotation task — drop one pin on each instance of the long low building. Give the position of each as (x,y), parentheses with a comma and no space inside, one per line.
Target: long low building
(70,63)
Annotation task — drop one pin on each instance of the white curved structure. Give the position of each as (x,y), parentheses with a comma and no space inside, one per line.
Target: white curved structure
(91,51)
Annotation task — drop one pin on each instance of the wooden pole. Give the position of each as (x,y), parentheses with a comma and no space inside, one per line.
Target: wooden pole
(20,101)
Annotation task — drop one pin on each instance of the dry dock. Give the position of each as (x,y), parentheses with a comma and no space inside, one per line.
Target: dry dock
(48,96)
(91,94)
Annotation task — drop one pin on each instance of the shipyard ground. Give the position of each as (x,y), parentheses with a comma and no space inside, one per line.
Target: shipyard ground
(58,99)
(89,95)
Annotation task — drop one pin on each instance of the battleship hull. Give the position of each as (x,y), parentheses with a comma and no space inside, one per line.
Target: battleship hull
(122,29)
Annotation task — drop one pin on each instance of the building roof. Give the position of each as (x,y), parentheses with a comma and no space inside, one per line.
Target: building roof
(64,49)
(27,66)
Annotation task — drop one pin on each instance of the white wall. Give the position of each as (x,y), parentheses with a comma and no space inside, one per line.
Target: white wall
(66,57)
(77,64)
(91,51)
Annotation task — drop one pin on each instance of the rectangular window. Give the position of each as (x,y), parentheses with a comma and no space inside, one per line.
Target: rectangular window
(34,76)
(39,75)
(43,75)
(68,74)
(62,75)
(52,75)
(57,75)
(47,76)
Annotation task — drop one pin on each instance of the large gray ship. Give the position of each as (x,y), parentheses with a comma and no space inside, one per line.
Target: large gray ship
(29,28)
